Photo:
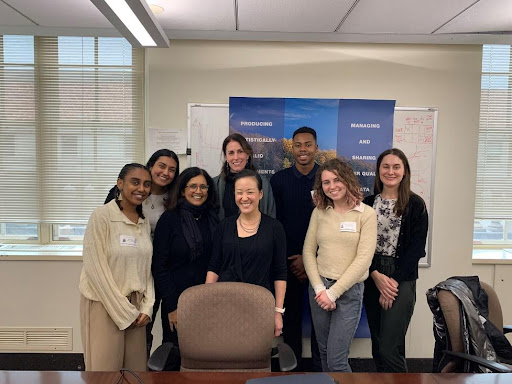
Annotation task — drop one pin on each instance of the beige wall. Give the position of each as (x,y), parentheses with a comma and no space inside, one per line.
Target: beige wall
(446,77)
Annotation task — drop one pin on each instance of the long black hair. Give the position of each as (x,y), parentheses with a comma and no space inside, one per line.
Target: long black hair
(151,162)
(166,153)
(124,171)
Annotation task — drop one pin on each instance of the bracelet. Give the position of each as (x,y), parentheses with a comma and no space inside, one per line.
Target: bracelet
(279,310)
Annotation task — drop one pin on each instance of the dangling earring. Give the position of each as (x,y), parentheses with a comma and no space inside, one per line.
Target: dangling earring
(119,197)
(227,167)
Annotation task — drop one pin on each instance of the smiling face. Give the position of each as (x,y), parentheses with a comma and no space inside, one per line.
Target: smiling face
(196,190)
(236,157)
(333,187)
(391,171)
(247,195)
(163,172)
(135,187)
(304,148)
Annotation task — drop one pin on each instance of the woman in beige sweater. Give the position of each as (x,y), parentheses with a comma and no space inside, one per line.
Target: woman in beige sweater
(116,285)
(344,231)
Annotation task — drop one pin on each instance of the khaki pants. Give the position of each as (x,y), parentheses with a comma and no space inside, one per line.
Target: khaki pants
(106,348)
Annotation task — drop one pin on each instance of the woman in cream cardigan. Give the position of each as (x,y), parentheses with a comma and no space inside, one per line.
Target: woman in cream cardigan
(116,285)
(344,231)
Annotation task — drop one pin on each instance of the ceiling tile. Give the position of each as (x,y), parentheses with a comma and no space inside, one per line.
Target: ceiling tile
(10,17)
(484,16)
(292,15)
(401,16)
(201,15)
(62,13)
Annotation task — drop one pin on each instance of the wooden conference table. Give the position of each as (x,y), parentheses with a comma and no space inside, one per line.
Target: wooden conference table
(76,377)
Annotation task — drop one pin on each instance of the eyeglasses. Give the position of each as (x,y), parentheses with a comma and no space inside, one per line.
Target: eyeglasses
(202,187)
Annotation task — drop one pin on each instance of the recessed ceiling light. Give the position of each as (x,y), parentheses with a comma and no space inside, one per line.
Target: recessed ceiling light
(157,10)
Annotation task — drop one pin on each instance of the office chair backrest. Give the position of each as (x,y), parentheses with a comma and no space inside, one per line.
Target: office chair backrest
(450,306)
(226,327)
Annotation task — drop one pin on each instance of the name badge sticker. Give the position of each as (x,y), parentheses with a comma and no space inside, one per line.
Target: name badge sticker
(128,241)
(348,226)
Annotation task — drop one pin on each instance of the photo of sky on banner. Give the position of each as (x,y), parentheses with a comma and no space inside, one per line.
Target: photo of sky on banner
(269,123)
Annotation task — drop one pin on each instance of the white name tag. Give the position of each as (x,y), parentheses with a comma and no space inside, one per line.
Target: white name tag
(348,226)
(128,241)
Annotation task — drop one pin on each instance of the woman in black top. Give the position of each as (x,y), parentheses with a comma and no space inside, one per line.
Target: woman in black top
(251,247)
(183,241)
(390,291)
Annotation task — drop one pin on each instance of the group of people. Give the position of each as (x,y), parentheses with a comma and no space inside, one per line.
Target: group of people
(307,230)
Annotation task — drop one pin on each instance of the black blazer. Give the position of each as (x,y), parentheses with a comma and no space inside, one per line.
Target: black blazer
(411,240)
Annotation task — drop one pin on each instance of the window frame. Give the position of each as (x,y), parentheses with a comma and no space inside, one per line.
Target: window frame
(48,232)
(501,67)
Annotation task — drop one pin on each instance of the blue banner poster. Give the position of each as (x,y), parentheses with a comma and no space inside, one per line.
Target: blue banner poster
(261,122)
(365,129)
(356,130)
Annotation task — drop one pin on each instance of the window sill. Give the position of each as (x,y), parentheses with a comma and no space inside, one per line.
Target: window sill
(26,252)
(492,256)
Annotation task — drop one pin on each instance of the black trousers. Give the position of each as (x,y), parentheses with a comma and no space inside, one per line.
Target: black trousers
(295,302)
(388,328)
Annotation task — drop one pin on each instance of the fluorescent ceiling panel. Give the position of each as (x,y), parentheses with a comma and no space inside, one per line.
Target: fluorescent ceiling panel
(401,16)
(292,15)
(131,22)
(484,16)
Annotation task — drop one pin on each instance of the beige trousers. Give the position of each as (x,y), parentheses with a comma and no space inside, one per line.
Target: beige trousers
(106,348)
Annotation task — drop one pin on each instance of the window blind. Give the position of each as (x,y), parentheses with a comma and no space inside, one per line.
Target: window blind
(71,115)
(494,171)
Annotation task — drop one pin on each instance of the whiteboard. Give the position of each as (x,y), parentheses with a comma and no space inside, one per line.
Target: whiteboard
(414,132)
(208,126)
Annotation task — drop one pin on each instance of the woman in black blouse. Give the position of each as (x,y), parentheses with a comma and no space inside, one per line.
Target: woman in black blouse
(183,241)
(390,291)
(251,247)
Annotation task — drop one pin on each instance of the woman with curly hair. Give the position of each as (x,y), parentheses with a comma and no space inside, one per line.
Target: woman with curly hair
(342,232)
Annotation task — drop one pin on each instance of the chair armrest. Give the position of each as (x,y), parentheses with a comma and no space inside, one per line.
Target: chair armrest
(492,365)
(287,359)
(157,360)
(507,329)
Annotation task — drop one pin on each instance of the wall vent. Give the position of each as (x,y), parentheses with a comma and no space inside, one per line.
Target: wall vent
(36,339)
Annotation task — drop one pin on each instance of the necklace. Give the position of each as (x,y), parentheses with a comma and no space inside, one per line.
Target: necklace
(158,199)
(250,230)
(152,202)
